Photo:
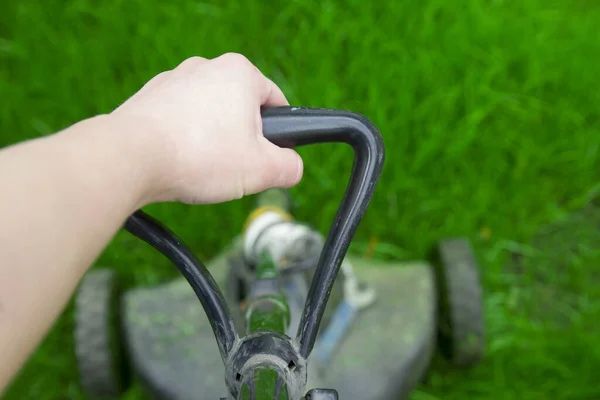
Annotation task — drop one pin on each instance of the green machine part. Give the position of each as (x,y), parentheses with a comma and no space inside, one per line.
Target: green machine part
(267,310)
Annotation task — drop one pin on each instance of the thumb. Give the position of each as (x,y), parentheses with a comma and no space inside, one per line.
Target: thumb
(276,167)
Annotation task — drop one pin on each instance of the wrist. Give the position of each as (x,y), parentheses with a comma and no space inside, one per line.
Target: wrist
(131,153)
(149,153)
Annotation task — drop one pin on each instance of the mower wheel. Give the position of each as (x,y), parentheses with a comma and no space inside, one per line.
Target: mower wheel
(98,345)
(461,323)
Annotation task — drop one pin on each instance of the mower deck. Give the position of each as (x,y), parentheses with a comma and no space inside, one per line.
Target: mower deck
(173,351)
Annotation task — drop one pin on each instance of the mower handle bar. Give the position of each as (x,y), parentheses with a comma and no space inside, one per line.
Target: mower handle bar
(288,127)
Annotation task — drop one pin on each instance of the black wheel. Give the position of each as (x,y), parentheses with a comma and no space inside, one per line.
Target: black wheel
(461,322)
(98,346)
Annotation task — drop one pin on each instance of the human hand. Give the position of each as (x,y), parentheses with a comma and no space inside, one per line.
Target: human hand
(205,117)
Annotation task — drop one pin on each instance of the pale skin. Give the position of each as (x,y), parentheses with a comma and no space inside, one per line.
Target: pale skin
(192,134)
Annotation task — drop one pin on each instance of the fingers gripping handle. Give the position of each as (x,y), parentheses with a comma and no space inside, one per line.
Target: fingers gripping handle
(293,127)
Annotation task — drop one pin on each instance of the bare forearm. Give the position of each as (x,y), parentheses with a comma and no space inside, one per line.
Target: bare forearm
(63,198)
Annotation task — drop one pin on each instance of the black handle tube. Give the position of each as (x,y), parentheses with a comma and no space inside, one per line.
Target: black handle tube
(161,238)
(295,126)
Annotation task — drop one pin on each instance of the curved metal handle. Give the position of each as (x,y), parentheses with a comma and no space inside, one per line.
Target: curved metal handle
(287,127)
(195,272)
(297,126)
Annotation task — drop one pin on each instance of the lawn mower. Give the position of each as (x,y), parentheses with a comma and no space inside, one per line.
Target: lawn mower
(298,318)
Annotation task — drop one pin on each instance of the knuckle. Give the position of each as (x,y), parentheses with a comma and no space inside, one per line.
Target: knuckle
(193,61)
(236,60)
(161,76)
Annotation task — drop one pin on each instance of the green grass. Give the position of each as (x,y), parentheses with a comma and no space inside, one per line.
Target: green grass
(490,114)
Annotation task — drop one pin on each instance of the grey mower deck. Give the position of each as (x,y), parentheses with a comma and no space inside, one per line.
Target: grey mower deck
(383,356)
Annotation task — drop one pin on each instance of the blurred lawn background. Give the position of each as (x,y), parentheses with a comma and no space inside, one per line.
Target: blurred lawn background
(490,114)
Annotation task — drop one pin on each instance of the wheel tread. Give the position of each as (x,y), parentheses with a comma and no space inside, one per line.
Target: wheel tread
(99,369)
(462,325)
